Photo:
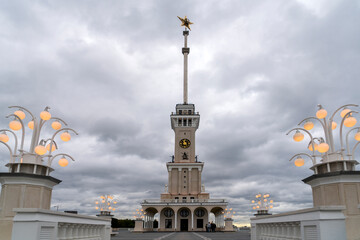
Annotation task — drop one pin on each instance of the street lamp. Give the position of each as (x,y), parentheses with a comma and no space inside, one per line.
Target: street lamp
(228,213)
(262,203)
(106,205)
(39,157)
(139,214)
(331,159)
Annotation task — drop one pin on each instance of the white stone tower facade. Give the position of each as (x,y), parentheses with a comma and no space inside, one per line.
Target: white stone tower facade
(184,206)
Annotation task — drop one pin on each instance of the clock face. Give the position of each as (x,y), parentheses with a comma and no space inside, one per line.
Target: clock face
(184,143)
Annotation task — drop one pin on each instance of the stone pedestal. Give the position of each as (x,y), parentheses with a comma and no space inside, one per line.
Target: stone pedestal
(139,225)
(22,190)
(229,225)
(340,188)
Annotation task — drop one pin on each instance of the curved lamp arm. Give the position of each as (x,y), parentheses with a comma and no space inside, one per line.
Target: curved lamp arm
(299,154)
(315,118)
(24,110)
(311,137)
(347,105)
(352,152)
(11,153)
(53,118)
(23,131)
(341,128)
(15,137)
(347,139)
(63,154)
(52,139)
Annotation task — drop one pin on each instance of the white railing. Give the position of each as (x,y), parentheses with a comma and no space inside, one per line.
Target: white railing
(320,223)
(155,201)
(41,224)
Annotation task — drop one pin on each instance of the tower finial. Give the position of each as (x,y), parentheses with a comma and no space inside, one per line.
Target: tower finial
(185,22)
(185,50)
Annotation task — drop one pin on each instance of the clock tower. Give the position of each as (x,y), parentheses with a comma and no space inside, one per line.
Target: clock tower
(184,205)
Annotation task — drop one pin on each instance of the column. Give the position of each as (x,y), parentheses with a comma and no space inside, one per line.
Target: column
(179,180)
(199,179)
(189,181)
(169,184)
(175,224)
(159,220)
(192,220)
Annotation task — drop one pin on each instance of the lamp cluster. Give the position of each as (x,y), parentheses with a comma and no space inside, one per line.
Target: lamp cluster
(40,148)
(139,213)
(324,146)
(106,203)
(228,213)
(262,203)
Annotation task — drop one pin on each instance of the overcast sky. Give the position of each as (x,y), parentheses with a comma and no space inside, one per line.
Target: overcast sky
(113,71)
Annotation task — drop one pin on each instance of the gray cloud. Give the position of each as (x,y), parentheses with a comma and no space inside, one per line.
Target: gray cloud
(113,71)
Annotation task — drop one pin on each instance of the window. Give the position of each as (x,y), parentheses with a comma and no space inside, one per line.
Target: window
(189,112)
(184,213)
(168,223)
(184,199)
(190,122)
(168,212)
(184,176)
(179,122)
(199,223)
(200,212)
(180,112)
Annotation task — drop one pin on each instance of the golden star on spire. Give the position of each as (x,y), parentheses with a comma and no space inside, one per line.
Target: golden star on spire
(185,22)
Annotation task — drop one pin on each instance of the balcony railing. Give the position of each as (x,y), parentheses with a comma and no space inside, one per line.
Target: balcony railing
(157,201)
(320,223)
(34,224)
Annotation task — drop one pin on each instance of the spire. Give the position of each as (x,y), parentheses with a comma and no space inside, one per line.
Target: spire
(185,50)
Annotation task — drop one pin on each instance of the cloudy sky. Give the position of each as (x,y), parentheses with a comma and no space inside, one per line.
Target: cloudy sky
(113,71)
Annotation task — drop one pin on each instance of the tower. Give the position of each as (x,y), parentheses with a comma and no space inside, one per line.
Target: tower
(184,206)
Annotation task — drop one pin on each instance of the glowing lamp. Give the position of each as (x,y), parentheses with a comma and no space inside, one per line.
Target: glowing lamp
(97,202)
(333,125)
(344,112)
(323,147)
(253,201)
(63,162)
(45,115)
(40,150)
(15,125)
(115,202)
(299,162)
(31,124)
(20,114)
(257,207)
(53,148)
(321,113)
(265,200)
(271,206)
(254,208)
(309,125)
(298,136)
(65,136)
(56,125)
(271,201)
(357,136)
(113,209)
(311,148)
(350,122)
(96,208)
(4,137)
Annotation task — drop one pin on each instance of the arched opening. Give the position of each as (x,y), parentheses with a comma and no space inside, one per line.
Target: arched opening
(200,219)
(167,219)
(149,217)
(217,216)
(184,219)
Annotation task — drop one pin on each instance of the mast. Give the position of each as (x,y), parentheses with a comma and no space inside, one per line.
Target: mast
(185,51)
